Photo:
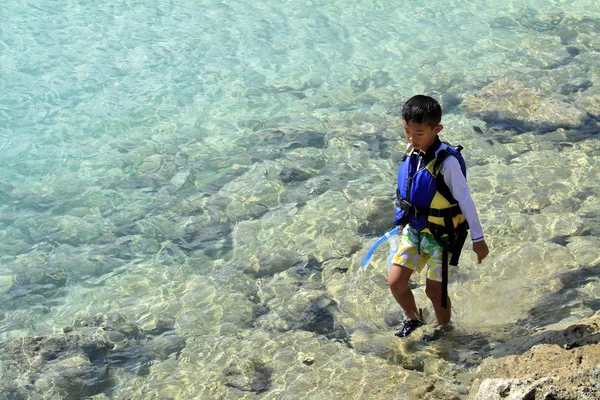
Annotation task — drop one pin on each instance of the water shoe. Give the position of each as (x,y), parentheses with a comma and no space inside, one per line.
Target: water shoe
(409,325)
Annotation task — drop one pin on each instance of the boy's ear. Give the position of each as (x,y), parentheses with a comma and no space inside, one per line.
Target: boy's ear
(438,129)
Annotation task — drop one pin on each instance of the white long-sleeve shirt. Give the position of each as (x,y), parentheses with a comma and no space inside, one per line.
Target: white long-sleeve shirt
(457,183)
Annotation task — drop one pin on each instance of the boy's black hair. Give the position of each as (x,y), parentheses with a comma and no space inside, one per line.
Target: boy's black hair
(422,110)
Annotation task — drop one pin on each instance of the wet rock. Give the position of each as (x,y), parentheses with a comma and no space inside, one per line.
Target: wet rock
(42,275)
(165,345)
(377,80)
(574,87)
(499,389)
(161,326)
(307,269)
(76,363)
(248,376)
(181,180)
(72,377)
(378,215)
(308,360)
(290,175)
(549,366)
(289,139)
(319,317)
(318,186)
(267,264)
(511,103)
(393,317)
(591,104)
(150,164)
(584,32)
(58,364)
(212,238)
(129,330)
(27,296)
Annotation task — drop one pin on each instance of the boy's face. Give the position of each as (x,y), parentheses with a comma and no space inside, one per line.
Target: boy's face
(420,136)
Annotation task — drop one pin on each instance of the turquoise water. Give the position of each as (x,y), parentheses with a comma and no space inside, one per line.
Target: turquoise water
(213,173)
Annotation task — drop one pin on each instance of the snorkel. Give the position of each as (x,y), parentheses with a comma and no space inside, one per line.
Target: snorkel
(393,249)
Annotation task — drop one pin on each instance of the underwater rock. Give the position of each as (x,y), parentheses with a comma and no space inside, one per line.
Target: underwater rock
(248,197)
(248,376)
(311,311)
(272,143)
(378,79)
(13,246)
(591,104)
(318,186)
(162,346)
(26,296)
(150,164)
(319,317)
(308,269)
(61,364)
(182,179)
(290,175)
(76,363)
(583,32)
(377,219)
(42,275)
(72,376)
(393,317)
(579,85)
(267,264)
(212,238)
(509,102)
(289,139)
(559,304)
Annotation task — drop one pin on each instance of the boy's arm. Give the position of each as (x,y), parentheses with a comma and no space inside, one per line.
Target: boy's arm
(457,183)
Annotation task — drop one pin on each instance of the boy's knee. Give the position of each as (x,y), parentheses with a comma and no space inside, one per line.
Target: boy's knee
(434,292)
(397,285)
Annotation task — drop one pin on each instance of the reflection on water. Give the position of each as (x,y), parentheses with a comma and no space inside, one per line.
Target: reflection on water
(188,189)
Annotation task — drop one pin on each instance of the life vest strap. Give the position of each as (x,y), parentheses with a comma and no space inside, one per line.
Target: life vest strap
(453,243)
(451,212)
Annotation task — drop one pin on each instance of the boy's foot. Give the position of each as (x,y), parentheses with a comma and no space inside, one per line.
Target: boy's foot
(407,326)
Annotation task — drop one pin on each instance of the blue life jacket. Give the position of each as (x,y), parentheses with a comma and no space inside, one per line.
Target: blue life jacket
(424,200)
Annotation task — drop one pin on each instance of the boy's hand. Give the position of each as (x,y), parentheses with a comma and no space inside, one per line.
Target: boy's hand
(481,249)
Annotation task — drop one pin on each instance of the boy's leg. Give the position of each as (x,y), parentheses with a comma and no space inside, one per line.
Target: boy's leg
(398,283)
(433,289)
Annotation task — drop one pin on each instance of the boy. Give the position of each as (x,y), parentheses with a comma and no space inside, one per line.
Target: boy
(434,211)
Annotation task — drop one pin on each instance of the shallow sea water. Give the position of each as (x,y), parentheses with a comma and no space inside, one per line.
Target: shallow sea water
(214,172)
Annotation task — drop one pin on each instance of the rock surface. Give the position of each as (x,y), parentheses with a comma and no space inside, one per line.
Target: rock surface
(510,102)
(77,363)
(558,364)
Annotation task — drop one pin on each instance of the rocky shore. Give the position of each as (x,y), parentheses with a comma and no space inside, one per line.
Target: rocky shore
(557,364)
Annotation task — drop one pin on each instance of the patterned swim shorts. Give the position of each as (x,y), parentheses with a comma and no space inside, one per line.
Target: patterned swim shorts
(414,257)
